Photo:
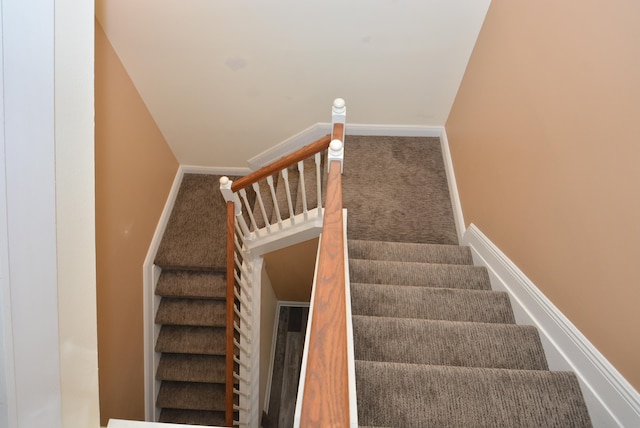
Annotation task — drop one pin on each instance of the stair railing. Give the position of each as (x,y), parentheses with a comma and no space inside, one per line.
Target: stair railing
(326,392)
(250,234)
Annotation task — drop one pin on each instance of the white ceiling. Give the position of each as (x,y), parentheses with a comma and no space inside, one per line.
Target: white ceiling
(226,80)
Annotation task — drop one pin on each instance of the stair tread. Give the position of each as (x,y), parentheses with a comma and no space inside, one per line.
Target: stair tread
(191,340)
(192,417)
(455,343)
(191,395)
(397,394)
(431,303)
(419,274)
(195,233)
(192,368)
(409,252)
(194,312)
(195,284)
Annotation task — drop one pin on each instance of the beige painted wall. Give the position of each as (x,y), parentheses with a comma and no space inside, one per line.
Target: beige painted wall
(544,135)
(134,172)
(291,271)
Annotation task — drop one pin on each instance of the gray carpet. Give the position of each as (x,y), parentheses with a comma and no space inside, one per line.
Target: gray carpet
(395,189)
(195,234)
(192,255)
(435,346)
(440,396)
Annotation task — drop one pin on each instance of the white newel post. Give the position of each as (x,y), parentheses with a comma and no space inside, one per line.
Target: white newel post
(336,153)
(339,115)
(228,195)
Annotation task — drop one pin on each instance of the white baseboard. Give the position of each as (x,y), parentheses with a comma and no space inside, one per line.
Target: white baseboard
(611,400)
(289,145)
(214,170)
(319,130)
(453,186)
(393,130)
(150,275)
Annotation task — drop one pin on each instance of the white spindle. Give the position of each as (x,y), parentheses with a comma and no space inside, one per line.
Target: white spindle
(239,219)
(242,317)
(239,362)
(275,200)
(242,302)
(236,391)
(243,267)
(256,187)
(318,158)
(242,332)
(243,349)
(303,190)
(243,195)
(285,177)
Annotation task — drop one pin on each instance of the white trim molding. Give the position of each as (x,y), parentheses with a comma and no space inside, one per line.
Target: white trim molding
(150,275)
(319,130)
(214,170)
(289,145)
(611,400)
(453,185)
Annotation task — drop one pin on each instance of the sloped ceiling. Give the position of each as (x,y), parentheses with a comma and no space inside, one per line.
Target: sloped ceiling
(226,80)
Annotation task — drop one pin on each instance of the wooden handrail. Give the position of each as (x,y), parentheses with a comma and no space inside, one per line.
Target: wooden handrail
(282,163)
(325,401)
(230,351)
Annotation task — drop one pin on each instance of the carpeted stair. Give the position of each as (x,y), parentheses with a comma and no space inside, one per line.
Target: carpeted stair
(192,287)
(434,345)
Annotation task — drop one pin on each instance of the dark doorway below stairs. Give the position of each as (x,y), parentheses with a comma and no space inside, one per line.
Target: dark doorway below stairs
(289,346)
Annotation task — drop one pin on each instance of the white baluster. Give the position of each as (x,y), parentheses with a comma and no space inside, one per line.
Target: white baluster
(285,177)
(239,219)
(256,187)
(242,332)
(243,349)
(275,200)
(243,195)
(303,190)
(240,363)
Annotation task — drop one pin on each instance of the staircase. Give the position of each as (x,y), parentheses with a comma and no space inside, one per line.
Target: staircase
(191,312)
(434,345)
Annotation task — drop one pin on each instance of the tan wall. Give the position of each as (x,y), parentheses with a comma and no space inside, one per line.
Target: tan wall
(291,270)
(134,172)
(545,140)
